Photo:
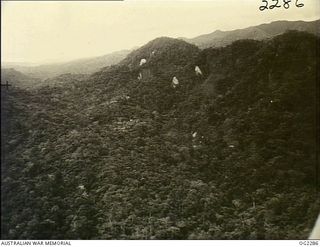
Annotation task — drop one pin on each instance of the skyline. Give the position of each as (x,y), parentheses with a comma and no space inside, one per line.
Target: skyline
(55,32)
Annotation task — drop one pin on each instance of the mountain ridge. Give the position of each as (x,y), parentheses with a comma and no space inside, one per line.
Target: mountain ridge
(259,32)
(217,38)
(78,66)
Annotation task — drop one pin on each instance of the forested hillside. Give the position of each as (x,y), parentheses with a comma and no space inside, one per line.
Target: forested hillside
(153,148)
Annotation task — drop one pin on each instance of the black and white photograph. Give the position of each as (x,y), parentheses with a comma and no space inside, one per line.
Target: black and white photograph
(160,120)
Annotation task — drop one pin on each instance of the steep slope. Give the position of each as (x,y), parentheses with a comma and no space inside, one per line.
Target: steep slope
(229,154)
(165,58)
(261,32)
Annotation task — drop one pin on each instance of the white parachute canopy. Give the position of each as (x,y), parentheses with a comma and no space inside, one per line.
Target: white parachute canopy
(175,81)
(198,70)
(143,61)
(194,134)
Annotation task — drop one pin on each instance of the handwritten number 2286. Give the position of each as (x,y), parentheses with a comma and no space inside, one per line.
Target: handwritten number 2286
(276,4)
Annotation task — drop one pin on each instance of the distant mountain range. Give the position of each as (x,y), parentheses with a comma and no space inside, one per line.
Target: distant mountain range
(215,39)
(16,78)
(80,66)
(264,31)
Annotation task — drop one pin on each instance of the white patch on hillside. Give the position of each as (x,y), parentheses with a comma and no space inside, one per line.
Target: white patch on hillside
(175,82)
(143,61)
(198,70)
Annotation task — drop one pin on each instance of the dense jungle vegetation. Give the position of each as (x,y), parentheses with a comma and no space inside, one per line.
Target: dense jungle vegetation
(229,154)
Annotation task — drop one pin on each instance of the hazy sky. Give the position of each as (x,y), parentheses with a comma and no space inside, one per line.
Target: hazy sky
(49,31)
